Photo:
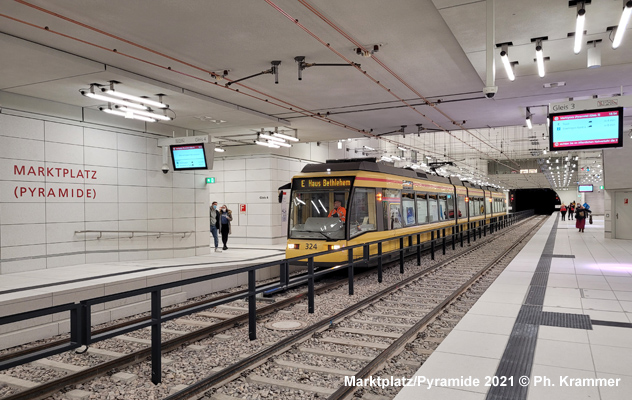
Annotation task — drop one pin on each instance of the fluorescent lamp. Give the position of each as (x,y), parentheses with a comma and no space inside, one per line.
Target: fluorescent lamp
(339,145)
(142,100)
(579,30)
(276,139)
(127,115)
(146,114)
(268,144)
(282,144)
(384,158)
(286,137)
(402,148)
(369,148)
(623,23)
(113,100)
(220,150)
(539,56)
(505,59)
(529,125)
(396,158)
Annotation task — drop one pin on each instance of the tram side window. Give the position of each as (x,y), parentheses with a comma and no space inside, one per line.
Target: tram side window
(361,215)
(433,208)
(477,206)
(471,203)
(422,208)
(443,207)
(391,204)
(408,202)
(451,206)
(460,202)
(488,205)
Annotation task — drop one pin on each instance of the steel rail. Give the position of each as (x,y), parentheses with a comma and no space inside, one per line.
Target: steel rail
(237,368)
(392,350)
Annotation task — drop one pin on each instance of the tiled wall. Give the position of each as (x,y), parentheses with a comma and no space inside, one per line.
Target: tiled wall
(37,229)
(253,181)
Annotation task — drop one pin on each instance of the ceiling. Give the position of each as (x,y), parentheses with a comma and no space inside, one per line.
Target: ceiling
(429,70)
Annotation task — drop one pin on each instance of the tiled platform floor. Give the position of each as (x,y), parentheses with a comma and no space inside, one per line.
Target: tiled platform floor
(597,282)
(26,291)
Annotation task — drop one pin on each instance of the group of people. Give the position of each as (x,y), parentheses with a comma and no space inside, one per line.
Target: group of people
(220,222)
(581,212)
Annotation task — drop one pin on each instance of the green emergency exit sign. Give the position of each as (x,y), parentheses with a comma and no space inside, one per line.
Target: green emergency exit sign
(210,180)
(601,187)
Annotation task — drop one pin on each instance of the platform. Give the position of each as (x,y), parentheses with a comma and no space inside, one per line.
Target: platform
(26,291)
(562,308)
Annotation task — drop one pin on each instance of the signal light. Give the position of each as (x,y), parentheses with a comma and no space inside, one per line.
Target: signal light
(378,197)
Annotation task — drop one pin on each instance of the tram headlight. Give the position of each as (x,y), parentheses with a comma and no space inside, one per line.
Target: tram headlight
(335,247)
(292,246)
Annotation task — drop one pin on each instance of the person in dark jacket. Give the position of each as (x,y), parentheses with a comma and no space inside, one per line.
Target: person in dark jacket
(225,216)
(581,214)
(215,224)
(571,210)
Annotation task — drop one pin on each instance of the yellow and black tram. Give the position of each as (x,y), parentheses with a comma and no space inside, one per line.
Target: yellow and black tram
(379,202)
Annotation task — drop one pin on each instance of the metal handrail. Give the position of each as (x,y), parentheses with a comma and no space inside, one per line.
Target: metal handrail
(81,334)
(147,233)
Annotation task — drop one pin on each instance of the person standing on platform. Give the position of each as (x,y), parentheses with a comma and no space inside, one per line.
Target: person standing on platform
(563,211)
(215,225)
(580,216)
(571,210)
(226,216)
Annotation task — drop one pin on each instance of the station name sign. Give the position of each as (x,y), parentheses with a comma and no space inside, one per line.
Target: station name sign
(590,104)
(322,183)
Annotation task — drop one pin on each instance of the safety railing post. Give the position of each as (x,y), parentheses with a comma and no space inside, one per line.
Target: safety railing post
(156,339)
(443,244)
(310,285)
(418,249)
(350,272)
(453,238)
(379,262)
(401,255)
(86,324)
(432,243)
(283,274)
(252,305)
(484,229)
(365,255)
(461,233)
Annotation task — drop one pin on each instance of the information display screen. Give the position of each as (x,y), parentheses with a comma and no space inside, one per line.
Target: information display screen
(188,157)
(585,188)
(589,129)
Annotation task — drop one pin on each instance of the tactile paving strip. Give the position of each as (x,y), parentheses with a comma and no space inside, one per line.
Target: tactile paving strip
(559,255)
(566,320)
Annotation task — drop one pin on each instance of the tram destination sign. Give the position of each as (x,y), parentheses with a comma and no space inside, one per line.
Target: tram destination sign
(333,182)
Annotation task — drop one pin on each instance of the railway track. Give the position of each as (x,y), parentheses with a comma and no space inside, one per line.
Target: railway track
(74,368)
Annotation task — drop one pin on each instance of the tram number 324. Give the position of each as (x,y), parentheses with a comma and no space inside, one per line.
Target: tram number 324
(311,246)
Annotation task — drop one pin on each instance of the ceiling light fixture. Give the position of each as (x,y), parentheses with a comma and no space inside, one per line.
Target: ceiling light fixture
(126,115)
(504,56)
(268,144)
(220,149)
(539,57)
(528,119)
(142,100)
(579,28)
(114,100)
(286,137)
(273,138)
(339,145)
(402,148)
(144,113)
(623,23)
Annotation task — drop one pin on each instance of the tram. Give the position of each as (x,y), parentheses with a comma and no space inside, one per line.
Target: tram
(380,202)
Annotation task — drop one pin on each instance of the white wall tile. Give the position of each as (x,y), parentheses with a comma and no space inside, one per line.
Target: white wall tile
(24,251)
(238,175)
(183,195)
(63,133)
(152,147)
(132,194)
(235,187)
(157,178)
(159,210)
(22,149)
(103,193)
(93,258)
(101,175)
(159,195)
(133,143)
(157,254)
(64,232)
(183,180)
(137,242)
(100,157)
(22,213)
(9,267)
(128,211)
(132,160)
(132,177)
(68,247)
(99,138)
(184,224)
(21,127)
(64,153)
(233,164)
(64,212)
(183,210)
(160,225)
(20,170)
(19,235)
(101,211)
(22,192)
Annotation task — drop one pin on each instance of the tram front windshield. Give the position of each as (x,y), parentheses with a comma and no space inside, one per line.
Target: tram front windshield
(313,214)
